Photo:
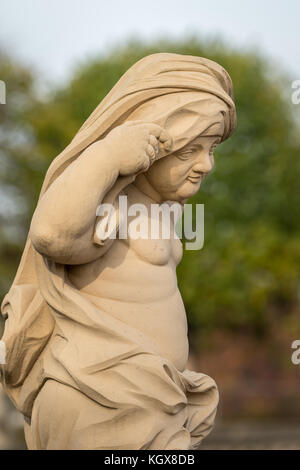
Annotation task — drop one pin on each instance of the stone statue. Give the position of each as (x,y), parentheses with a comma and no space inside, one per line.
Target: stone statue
(96,331)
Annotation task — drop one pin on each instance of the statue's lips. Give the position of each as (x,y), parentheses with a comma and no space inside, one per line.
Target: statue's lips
(194,179)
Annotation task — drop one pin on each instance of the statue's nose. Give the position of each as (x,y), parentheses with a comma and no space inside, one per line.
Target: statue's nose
(205,164)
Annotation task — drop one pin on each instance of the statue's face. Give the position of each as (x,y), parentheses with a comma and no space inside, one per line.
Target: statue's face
(178,176)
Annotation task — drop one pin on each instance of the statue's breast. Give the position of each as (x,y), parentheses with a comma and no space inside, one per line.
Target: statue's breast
(142,227)
(157,251)
(149,233)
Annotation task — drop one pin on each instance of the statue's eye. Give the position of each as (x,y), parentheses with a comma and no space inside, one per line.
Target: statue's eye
(214,146)
(185,154)
(212,149)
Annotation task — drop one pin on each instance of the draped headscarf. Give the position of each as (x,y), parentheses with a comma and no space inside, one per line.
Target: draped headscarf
(159,88)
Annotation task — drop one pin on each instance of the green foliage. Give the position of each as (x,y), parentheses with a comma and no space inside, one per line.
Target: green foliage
(16,174)
(247,274)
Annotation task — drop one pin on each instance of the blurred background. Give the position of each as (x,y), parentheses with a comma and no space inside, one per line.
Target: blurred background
(58,60)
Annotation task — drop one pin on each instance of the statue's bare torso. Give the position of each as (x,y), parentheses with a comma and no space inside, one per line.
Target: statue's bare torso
(135,281)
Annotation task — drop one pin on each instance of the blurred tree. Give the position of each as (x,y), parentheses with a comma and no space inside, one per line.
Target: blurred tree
(16,171)
(247,275)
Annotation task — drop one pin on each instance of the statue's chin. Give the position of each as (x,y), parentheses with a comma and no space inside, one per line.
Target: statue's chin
(187,190)
(182,193)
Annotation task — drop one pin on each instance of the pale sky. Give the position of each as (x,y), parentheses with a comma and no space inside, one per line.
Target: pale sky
(53,35)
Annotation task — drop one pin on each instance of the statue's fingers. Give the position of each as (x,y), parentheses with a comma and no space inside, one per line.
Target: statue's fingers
(166,140)
(154,142)
(150,151)
(154,129)
(147,162)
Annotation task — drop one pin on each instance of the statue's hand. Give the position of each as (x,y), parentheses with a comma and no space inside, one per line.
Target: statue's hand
(136,145)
